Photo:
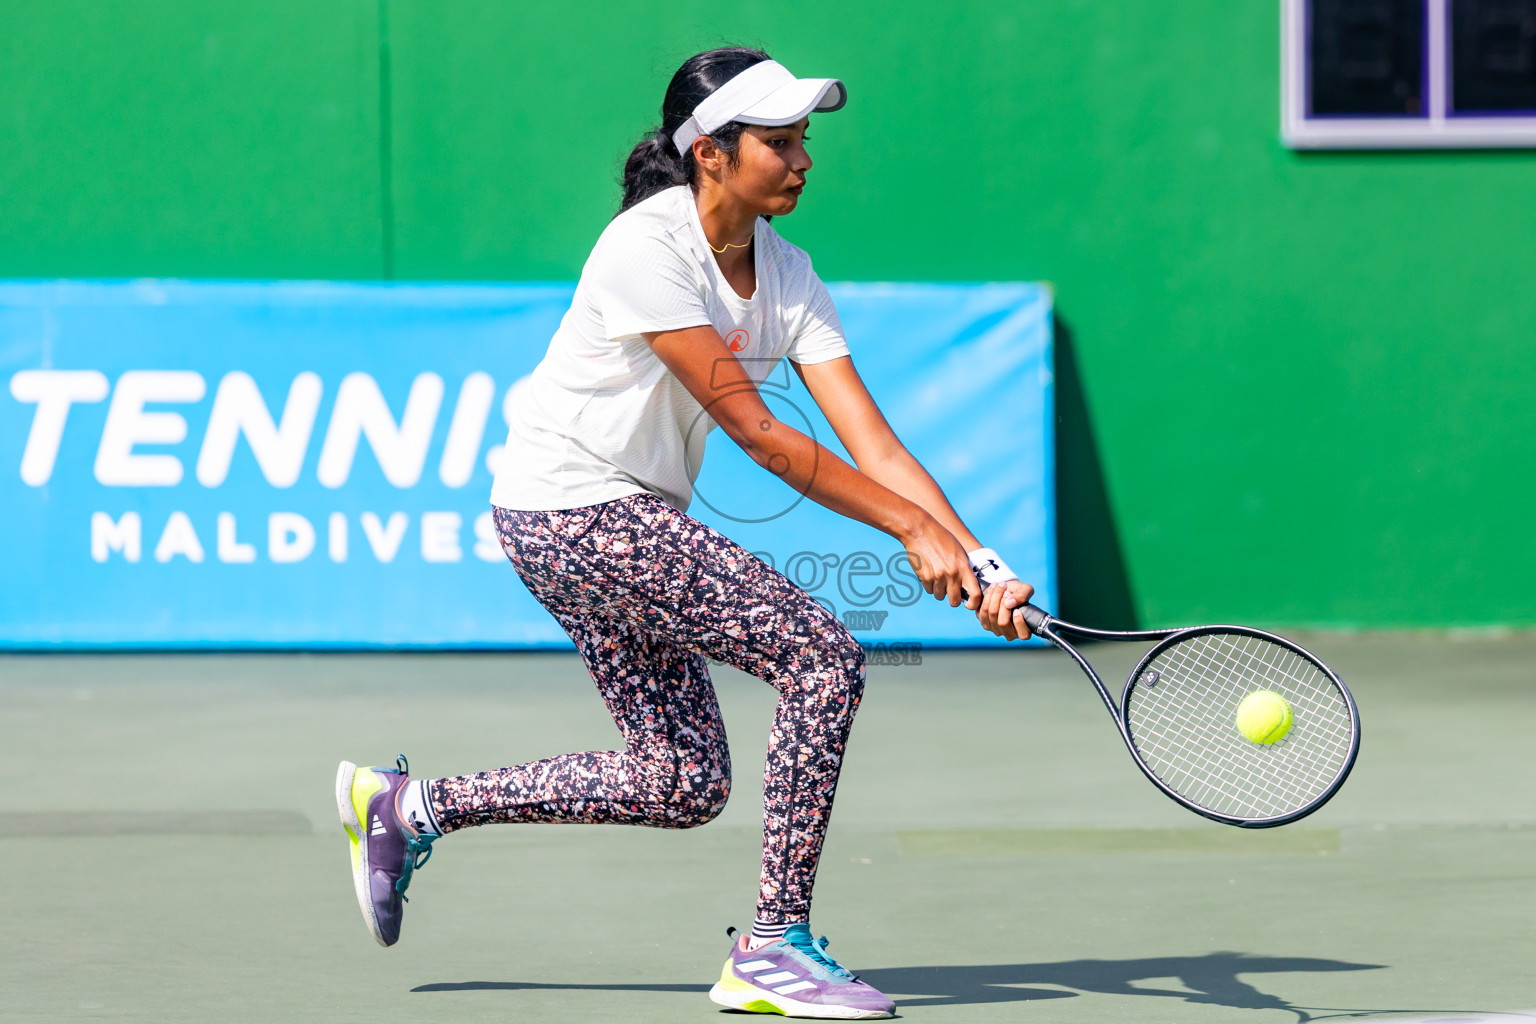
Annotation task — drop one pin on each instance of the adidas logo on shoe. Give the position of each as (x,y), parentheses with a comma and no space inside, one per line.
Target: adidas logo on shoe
(767,973)
(378,827)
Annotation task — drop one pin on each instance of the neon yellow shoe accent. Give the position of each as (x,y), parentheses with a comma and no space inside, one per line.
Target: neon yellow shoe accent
(364,785)
(730,983)
(761,1006)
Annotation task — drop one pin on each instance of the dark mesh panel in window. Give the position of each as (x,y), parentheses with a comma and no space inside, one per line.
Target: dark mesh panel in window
(1366,57)
(1493,56)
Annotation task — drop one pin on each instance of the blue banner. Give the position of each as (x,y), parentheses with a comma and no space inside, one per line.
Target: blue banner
(308,465)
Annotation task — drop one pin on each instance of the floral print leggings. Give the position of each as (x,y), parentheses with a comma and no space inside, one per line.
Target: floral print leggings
(646,592)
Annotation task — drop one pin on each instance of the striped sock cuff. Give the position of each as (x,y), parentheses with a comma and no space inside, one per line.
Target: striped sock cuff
(764,932)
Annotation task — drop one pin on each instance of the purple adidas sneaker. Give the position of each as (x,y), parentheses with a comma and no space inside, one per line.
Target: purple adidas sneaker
(385,848)
(795,977)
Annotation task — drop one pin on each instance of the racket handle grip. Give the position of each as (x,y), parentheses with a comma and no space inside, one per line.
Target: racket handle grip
(1034,617)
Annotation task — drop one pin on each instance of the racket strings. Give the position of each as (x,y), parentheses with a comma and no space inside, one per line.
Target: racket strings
(1184,725)
(1265,784)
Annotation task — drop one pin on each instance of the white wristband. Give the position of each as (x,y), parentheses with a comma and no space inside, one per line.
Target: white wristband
(990,569)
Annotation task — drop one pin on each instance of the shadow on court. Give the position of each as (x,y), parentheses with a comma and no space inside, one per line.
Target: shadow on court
(537,986)
(1211,979)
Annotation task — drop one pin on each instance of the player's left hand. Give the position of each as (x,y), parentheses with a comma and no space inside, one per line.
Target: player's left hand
(999,609)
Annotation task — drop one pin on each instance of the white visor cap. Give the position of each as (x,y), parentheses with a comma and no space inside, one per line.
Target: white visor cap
(767,94)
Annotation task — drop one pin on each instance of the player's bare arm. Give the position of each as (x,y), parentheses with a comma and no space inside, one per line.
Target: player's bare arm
(705,365)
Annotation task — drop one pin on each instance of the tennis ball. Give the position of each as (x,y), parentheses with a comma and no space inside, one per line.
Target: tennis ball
(1264,717)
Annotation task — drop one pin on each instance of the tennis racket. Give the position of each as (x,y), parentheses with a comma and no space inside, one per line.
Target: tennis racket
(1178,716)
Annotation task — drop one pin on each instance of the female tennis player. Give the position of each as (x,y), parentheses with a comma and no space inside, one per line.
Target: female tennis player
(689,299)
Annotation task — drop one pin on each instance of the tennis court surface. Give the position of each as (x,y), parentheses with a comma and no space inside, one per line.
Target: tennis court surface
(172,851)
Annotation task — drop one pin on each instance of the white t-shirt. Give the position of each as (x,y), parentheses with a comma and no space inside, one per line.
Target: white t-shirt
(601,417)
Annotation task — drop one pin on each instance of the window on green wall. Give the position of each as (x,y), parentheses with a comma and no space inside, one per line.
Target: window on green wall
(1408,74)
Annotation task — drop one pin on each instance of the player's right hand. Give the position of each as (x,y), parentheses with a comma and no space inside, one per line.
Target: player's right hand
(941,565)
(999,611)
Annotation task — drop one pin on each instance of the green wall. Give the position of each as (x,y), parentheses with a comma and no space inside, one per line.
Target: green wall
(1294,387)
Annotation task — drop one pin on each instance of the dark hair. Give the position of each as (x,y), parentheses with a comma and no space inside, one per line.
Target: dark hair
(654,164)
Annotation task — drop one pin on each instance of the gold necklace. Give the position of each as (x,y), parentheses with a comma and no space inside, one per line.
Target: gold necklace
(728,245)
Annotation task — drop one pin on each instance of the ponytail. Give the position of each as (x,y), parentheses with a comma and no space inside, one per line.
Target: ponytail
(655,164)
(652,166)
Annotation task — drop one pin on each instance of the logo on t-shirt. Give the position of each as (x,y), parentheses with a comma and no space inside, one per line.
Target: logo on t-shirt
(738,340)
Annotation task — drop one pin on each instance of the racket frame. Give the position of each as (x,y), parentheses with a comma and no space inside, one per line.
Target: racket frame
(1050,628)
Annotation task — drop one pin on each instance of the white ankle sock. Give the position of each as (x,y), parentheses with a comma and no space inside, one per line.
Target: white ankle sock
(416,808)
(763,932)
